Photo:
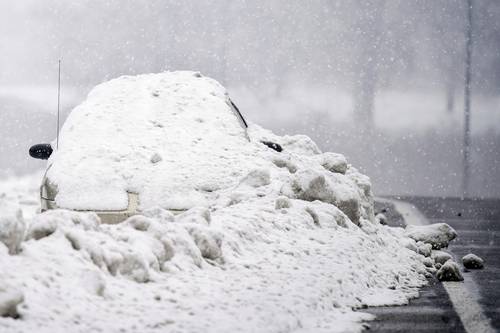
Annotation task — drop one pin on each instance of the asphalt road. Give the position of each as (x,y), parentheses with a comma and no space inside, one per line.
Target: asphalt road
(477,222)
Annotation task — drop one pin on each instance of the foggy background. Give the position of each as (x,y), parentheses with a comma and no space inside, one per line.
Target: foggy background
(379,81)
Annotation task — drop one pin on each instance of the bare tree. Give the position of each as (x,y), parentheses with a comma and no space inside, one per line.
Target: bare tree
(368,33)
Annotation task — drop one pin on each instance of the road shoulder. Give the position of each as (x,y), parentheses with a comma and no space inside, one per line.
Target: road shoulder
(462,295)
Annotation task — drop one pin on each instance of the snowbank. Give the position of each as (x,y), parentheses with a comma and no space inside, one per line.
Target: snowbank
(272,241)
(248,267)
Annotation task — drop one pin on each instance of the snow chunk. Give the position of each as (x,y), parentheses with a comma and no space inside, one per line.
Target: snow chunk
(440,257)
(299,144)
(424,249)
(438,235)
(335,189)
(472,261)
(428,262)
(410,244)
(332,162)
(285,163)
(326,215)
(449,271)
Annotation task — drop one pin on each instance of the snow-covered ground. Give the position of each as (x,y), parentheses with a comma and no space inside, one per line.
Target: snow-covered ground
(290,244)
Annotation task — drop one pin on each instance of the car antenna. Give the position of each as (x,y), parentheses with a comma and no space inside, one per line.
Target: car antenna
(58,101)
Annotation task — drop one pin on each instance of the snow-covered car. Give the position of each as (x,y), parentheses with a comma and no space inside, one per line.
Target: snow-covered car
(168,140)
(287,236)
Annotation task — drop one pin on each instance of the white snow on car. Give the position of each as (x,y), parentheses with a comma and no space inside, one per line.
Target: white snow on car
(173,138)
(267,241)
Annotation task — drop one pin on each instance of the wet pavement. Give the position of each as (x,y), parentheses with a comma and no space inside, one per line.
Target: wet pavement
(477,222)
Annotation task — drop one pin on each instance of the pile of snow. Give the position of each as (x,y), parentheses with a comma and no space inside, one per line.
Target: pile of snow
(272,241)
(450,271)
(472,261)
(430,239)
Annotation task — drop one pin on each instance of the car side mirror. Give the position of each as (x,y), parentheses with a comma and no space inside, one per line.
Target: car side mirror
(273,145)
(41,151)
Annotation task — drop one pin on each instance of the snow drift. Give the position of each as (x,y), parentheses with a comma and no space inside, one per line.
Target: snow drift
(271,241)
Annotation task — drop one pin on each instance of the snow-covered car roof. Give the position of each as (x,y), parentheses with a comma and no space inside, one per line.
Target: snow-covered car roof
(174,138)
